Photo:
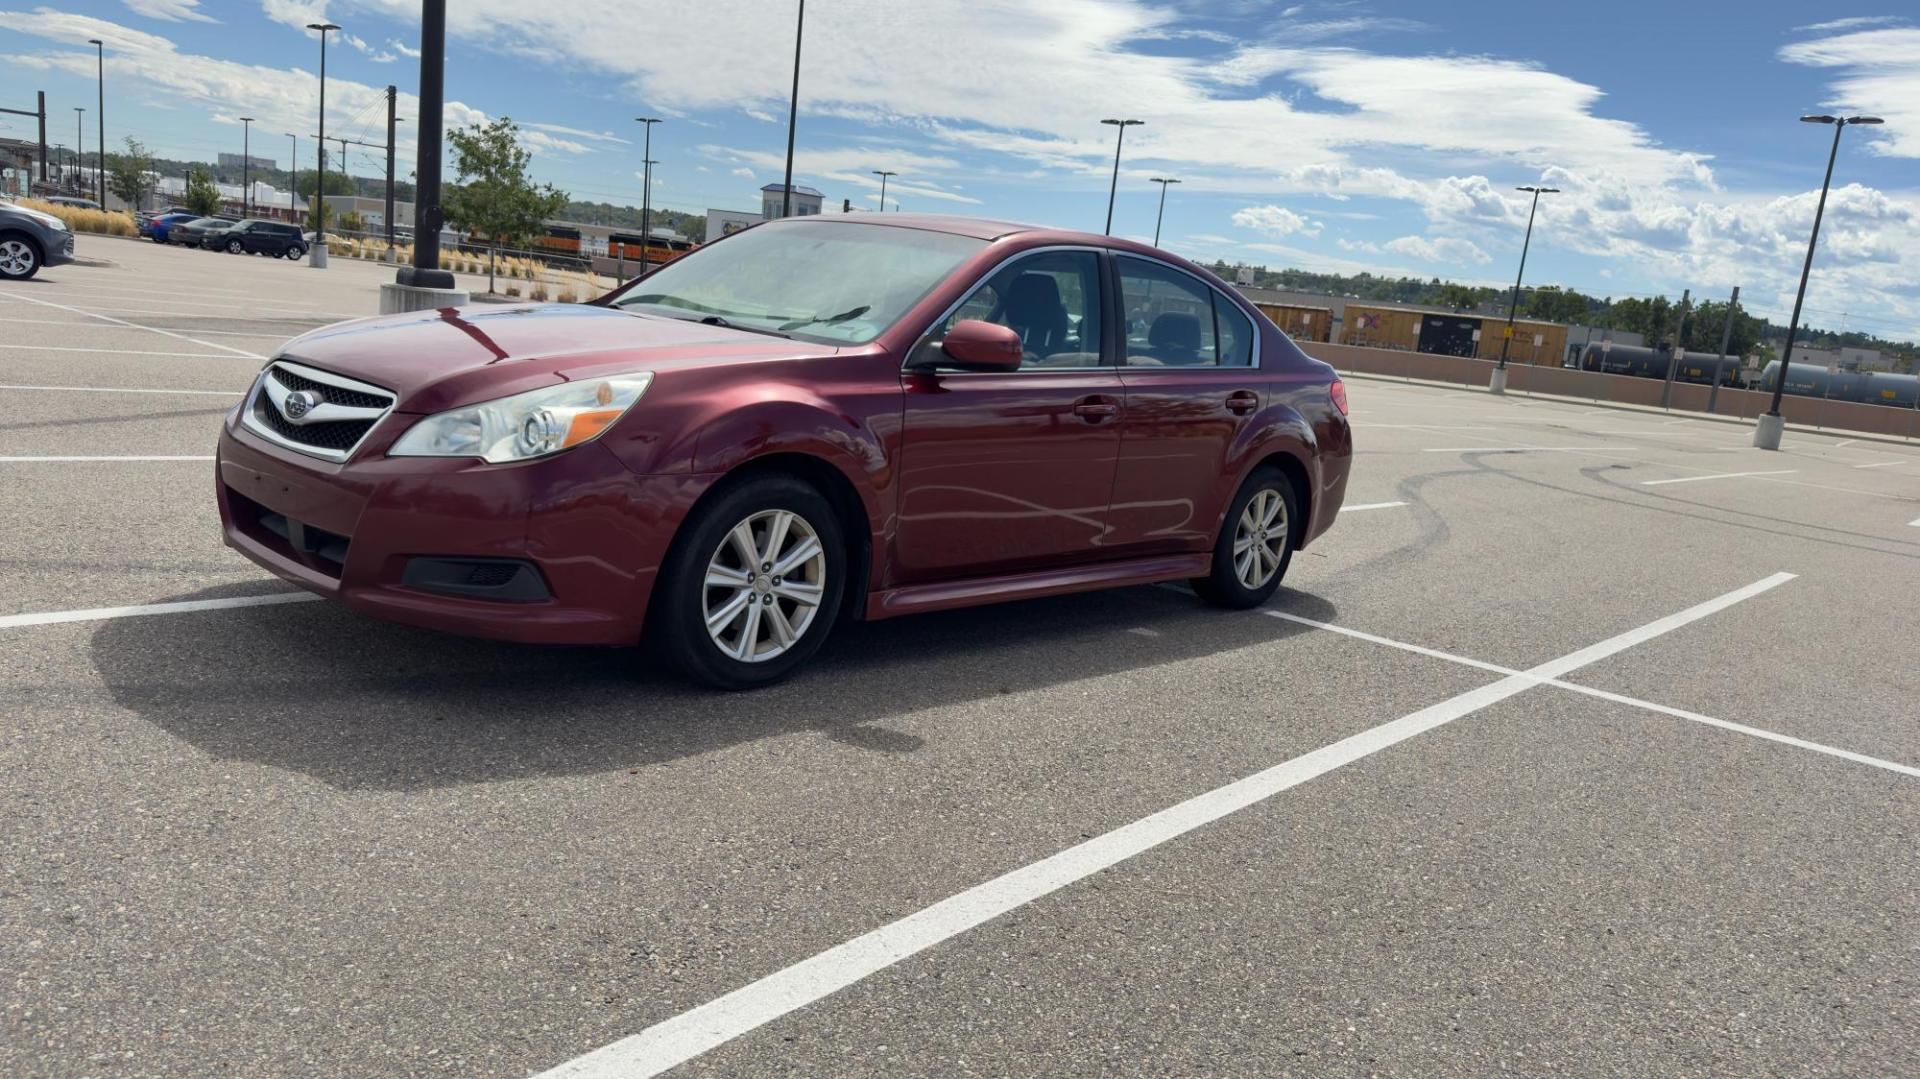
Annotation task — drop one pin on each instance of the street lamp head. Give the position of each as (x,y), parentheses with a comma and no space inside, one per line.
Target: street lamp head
(323,27)
(1816,119)
(1864,120)
(1123,123)
(95,41)
(1539,190)
(246,119)
(646,120)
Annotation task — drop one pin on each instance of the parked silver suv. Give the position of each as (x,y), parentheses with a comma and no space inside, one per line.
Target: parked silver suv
(29,240)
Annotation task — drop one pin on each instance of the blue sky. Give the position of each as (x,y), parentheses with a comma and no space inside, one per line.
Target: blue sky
(1330,136)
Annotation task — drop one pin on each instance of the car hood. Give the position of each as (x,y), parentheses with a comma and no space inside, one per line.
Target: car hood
(435,360)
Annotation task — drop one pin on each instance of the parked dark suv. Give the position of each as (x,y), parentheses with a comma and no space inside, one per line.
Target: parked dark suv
(258,237)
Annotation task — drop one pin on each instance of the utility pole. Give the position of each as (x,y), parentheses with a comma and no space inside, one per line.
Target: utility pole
(1673,354)
(80,155)
(393,99)
(883,174)
(246,165)
(1161,215)
(317,257)
(1119,137)
(793,111)
(425,272)
(1726,335)
(646,193)
(1497,381)
(39,113)
(100,114)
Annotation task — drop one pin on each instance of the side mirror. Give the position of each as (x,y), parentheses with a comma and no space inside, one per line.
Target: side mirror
(973,345)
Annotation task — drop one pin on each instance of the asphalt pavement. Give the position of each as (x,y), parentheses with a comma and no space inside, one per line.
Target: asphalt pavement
(1584,744)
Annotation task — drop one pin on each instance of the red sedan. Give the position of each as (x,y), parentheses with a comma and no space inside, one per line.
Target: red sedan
(809,420)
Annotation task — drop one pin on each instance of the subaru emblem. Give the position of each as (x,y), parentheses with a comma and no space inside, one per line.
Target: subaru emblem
(299,403)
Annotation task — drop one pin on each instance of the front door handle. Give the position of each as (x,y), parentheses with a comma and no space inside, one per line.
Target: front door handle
(1096,408)
(1241,402)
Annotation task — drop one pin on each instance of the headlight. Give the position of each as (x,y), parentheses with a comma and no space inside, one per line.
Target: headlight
(48,220)
(526,425)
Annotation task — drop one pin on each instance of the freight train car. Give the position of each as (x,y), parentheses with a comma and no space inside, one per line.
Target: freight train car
(1302,322)
(1864,387)
(629,247)
(1639,362)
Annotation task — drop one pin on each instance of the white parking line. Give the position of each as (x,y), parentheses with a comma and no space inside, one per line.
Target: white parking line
(118,389)
(1616,698)
(1370,506)
(89,325)
(41,460)
(126,352)
(689,1034)
(1882,464)
(1914,523)
(1527,449)
(96,614)
(1718,476)
(173,299)
(149,329)
(1845,442)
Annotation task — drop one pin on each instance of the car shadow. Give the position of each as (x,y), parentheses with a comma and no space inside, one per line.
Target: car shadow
(363,704)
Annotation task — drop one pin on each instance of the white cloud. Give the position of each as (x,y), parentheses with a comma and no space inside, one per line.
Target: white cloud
(1878,73)
(404,49)
(1445,249)
(1275,220)
(169,10)
(743,172)
(592,136)
(1853,23)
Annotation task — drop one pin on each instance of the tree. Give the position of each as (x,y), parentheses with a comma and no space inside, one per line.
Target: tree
(202,197)
(337,183)
(130,175)
(492,193)
(353,221)
(1707,322)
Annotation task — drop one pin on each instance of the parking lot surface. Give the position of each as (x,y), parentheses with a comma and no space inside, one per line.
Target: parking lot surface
(1585,743)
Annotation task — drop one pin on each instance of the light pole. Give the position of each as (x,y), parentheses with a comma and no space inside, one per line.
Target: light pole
(317,256)
(100,114)
(1498,382)
(80,155)
(293,173)
(246,166)
(1767,431)
(883,174)
(1163,207)
(646,192)
(1119,137)
(793,109)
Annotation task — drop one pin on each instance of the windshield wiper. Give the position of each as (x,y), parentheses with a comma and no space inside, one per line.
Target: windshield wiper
(716,320)
(841,317)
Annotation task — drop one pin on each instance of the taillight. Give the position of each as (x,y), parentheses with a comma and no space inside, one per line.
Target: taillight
(1339,392)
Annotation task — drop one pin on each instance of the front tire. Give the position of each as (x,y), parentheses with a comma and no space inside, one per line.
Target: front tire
(234,247)
(19,258)
(753,585)
(1256,541)
(296,252)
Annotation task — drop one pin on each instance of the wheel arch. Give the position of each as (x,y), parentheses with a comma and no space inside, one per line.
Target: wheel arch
(39,249)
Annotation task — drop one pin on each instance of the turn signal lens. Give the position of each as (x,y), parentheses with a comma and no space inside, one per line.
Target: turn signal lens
(527,425)
(1339,391)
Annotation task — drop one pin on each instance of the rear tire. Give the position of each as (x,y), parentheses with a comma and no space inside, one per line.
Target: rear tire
(296,252)
(235,247)
(753,584)
(1255,545)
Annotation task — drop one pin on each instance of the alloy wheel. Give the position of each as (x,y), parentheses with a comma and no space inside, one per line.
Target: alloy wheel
(16,258)
(763,586)
(1260,539)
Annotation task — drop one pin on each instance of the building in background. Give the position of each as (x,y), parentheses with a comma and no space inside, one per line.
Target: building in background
(234,162)
(727,222)
(806,201)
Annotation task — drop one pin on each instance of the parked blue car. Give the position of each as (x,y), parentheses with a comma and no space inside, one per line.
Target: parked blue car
(161,226)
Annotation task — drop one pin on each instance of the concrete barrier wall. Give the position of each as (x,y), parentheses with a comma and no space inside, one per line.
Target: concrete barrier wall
(1623,389)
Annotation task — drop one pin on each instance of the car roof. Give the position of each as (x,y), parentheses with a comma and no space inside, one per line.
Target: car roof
(988,229)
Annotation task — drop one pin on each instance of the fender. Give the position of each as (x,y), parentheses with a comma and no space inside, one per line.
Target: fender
(1277,428)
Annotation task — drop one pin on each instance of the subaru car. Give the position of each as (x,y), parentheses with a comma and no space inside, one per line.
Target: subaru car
(807,421)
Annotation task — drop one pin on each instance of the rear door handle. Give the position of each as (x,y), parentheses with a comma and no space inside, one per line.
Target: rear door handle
(1094,409)
(1241,402)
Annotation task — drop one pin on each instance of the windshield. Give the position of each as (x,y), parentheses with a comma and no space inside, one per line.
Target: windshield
(836,283)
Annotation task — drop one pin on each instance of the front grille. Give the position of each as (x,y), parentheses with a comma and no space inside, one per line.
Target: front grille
(337,394)
(316,433)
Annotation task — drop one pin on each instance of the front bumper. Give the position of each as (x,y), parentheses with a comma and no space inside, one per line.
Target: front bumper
(60,251)
(593,532)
